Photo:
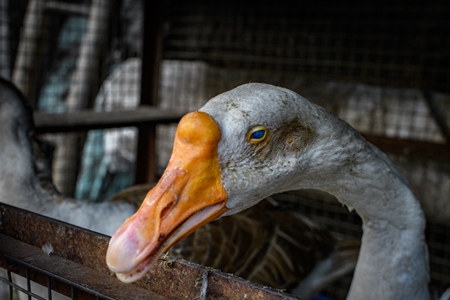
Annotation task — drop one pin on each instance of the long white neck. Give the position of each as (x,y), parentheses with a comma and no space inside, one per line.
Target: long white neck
(393,261)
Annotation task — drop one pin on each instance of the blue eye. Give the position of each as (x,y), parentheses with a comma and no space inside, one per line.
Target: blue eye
(257,134)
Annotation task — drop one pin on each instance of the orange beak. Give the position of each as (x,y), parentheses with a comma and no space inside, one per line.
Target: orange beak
(188,195)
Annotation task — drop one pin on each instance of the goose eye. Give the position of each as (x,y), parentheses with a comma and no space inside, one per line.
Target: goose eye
(257,134)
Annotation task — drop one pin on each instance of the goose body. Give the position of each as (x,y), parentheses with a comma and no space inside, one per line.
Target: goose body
(256,140)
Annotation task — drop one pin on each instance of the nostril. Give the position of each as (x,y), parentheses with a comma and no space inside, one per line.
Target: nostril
(166,210)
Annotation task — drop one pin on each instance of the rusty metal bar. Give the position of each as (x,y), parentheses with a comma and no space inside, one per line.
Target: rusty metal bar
(79,259)
(64,273)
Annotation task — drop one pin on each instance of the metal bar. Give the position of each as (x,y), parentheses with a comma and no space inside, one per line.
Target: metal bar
(86,120)
(79,259)
(49,286)
(10,287)
(68,272)
(28,283)
(19,288)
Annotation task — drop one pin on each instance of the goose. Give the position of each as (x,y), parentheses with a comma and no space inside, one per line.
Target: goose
(26,182)
(256,140)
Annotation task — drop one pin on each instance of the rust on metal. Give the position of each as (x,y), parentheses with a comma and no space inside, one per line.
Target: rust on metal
(89,283)
(80,251)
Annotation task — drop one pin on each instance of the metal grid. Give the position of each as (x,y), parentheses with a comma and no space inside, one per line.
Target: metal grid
(15,285)
(383,43)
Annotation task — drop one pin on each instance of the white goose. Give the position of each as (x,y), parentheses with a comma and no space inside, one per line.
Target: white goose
(25,181)
(257,140)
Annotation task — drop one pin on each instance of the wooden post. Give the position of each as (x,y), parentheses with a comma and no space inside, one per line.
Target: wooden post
(151,59)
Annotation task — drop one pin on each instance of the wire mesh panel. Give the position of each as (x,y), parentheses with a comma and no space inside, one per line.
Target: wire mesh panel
(17,287)
(380,43)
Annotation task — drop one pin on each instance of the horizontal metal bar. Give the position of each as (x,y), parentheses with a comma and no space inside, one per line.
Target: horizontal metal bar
(81,248)
(86,120)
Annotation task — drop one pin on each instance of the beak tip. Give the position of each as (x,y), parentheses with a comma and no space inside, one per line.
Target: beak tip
(121,252)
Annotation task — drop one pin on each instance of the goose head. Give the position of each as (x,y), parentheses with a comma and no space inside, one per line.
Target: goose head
(240,147)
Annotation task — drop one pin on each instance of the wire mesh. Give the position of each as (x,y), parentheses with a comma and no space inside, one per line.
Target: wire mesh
(384,43)
(13,286)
